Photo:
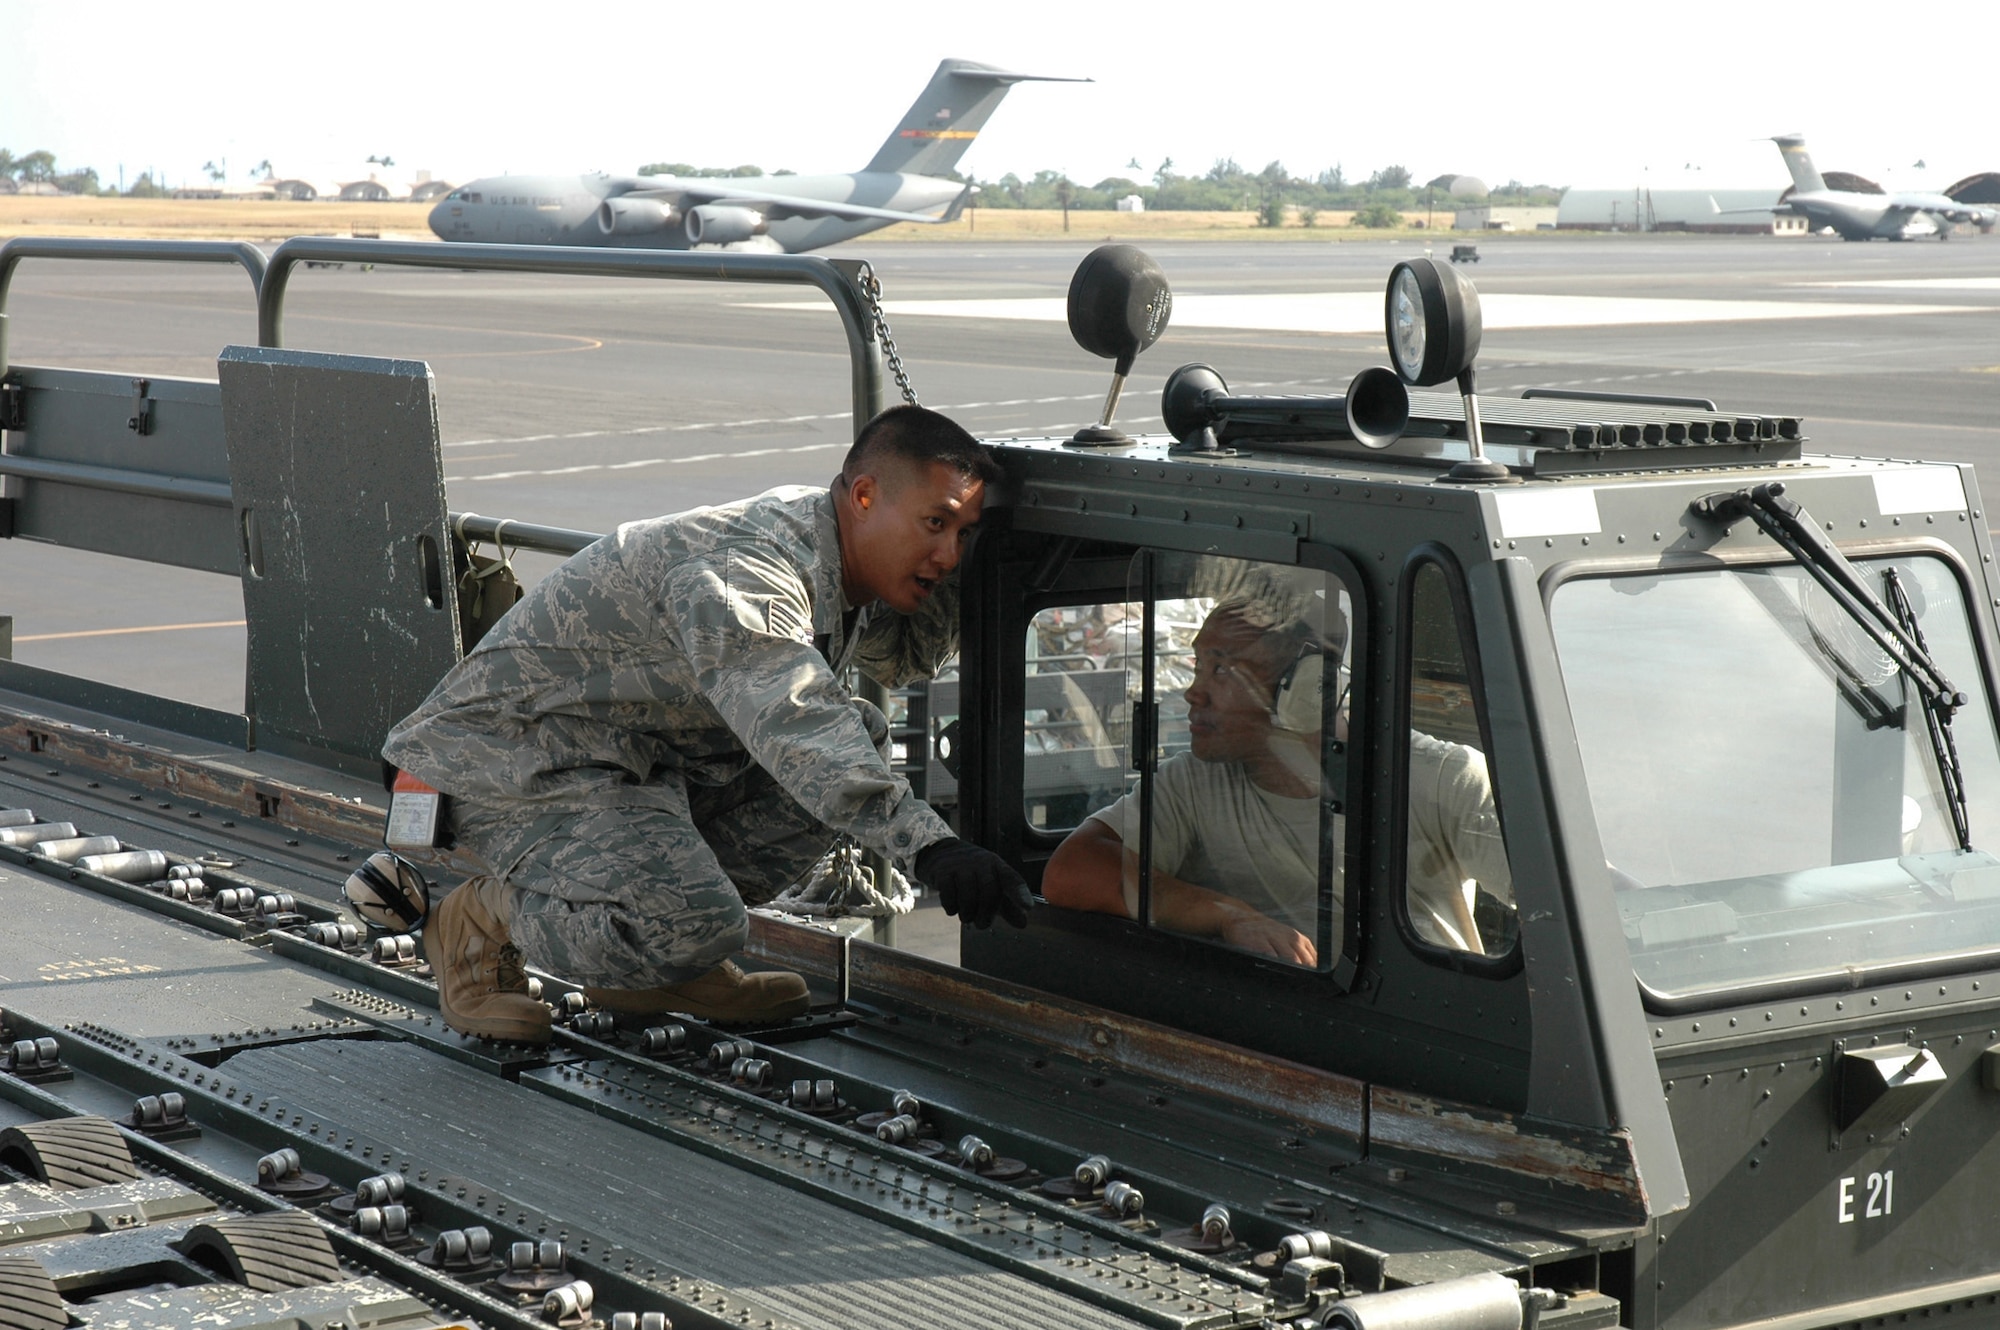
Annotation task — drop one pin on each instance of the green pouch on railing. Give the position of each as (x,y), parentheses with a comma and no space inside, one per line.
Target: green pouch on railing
(487,586)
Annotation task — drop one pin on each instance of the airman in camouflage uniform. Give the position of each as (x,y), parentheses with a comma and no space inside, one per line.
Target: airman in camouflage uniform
(655,736)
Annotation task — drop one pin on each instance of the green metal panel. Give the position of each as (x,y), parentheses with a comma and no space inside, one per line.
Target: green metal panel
(339,495)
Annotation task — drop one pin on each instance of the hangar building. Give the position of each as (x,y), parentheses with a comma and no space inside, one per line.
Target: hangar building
(1680,209)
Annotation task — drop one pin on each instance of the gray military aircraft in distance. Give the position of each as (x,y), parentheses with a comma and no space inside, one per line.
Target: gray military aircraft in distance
(784,214)
(1857,216)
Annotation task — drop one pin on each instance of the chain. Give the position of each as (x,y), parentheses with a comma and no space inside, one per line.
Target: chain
(871,290)
(853,882)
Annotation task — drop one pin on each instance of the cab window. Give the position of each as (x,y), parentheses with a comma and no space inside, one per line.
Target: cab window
(1191,739)
(1457,884)
(1774,809)
(1083,674)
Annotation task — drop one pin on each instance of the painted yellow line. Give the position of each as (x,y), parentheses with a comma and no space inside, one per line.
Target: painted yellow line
(115,632)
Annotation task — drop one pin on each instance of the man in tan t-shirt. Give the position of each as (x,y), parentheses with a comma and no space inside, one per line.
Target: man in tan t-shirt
(1236,819)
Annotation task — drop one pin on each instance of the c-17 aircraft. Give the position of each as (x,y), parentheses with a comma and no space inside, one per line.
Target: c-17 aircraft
(784,214)
(1857,216)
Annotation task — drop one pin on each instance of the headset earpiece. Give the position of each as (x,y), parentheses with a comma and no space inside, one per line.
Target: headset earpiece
(1295,705)
(388,892)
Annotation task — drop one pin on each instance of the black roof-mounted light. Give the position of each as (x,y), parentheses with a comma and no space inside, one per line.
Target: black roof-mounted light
(1433,322)
(1431,317)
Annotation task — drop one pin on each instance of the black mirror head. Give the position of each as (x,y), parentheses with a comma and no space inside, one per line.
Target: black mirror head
(1431,317)
(1119,303)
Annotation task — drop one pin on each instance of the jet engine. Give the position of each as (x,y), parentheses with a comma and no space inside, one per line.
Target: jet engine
(714,224)
(634,217)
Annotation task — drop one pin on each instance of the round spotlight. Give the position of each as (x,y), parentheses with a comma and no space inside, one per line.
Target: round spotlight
(1431,315)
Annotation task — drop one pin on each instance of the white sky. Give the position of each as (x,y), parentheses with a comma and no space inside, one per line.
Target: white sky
(1556,91)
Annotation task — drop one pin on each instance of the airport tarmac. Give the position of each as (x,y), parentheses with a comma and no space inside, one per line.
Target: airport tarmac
(584,402)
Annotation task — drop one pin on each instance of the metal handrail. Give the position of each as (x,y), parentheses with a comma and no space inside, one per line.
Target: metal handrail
(143,251)
(835,279)
(270,278)
(117,480)
(838,279)
(507,533)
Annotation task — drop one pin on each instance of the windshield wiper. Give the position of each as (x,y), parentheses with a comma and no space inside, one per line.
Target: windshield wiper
(1894,631)
(1936,718)
(1847,678)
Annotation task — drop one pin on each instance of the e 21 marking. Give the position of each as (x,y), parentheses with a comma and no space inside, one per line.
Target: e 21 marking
(1879,1201)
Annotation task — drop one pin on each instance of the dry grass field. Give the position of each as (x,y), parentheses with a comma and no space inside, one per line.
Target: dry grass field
(269,221)
(259,220)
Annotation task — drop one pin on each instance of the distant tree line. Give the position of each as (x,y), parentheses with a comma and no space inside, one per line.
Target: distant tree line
(1274,192)
(1271,192)
(39,168)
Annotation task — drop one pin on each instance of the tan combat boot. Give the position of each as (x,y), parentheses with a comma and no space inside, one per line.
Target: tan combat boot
(482,989)
(725,994)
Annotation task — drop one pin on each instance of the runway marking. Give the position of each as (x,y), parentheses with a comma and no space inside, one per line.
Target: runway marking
(119,632)
(1361,311)
(585,343)
(1986,430)
(1918,283)
(654,461)
(687,427)
(644,429)
(640,463)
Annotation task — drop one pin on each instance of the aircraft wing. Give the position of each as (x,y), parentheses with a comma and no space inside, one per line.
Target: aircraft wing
(1941,205)
(723,190)
(1717,210)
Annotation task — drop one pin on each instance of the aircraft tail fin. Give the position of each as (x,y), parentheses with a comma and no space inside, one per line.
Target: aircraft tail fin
(1805,176)
(946,118)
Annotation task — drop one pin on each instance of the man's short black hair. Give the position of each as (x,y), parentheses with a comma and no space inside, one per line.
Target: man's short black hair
(917,434)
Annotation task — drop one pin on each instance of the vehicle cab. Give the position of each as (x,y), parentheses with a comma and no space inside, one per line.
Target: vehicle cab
(1650,787)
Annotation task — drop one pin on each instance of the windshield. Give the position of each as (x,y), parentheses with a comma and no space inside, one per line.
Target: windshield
(1768,797)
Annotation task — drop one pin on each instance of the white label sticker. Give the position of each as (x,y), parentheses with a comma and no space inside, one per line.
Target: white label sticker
(413,819)
(1556,511)
(1919,489)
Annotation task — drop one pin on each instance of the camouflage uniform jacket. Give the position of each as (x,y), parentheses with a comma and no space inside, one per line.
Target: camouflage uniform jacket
(695,644)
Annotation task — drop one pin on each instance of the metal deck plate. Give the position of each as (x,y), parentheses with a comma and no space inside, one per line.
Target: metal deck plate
(765,1244)
(71,955)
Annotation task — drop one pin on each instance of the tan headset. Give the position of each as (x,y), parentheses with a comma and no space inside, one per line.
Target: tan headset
(1295,703)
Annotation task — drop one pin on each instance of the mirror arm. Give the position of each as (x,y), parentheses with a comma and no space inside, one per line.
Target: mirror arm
(1470,396)
(1117,388)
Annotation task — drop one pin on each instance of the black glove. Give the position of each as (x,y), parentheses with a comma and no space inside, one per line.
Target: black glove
(977,882)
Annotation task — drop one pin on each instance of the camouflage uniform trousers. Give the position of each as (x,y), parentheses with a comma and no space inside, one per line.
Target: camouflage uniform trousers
(642,897)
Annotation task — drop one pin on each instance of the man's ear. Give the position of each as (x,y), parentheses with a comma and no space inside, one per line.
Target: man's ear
(866,491)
